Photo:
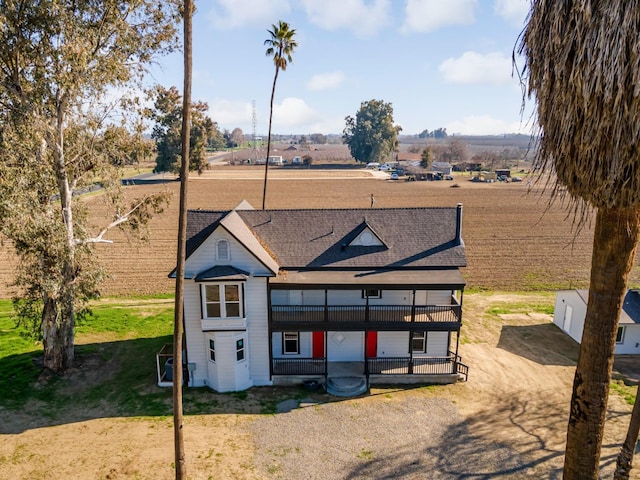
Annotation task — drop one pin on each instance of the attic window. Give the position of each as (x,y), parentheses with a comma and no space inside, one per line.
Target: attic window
(366,238)
(222,250)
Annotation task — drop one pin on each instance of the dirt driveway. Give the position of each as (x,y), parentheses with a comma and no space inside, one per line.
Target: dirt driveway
(508,421)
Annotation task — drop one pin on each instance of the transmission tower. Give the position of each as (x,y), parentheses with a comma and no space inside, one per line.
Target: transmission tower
(254,123)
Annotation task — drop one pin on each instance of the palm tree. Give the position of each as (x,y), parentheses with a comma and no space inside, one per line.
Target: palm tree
(582,67)
(178,326)
(281,43)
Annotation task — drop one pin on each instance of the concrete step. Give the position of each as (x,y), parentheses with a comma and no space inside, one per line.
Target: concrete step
(347,386)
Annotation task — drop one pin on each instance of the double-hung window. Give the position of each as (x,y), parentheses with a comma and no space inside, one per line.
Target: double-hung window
(222,300)
(419,342)
(290,343)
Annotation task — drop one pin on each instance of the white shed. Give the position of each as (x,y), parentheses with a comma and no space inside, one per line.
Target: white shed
(571,309)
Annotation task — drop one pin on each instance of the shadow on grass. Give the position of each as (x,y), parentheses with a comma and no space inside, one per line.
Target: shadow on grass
(116,379)
(544,344)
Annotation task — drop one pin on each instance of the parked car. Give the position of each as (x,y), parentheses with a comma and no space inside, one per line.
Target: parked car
(448,177)
(384,168)
(394,176)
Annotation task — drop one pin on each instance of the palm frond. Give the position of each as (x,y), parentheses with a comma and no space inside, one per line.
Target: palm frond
(582,66)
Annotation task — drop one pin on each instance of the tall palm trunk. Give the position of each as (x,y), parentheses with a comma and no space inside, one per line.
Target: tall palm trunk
(625,457)
(266,163)
(178,326)
(614,247)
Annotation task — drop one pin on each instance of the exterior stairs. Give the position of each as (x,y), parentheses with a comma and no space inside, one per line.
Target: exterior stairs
(347,386)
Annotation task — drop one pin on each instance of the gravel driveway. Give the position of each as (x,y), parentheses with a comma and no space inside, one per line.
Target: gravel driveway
(410,437)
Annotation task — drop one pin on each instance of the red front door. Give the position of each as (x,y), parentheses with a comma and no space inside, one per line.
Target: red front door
(372,344)
(318,344)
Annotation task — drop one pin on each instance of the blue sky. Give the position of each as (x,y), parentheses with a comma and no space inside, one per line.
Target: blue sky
(441,63)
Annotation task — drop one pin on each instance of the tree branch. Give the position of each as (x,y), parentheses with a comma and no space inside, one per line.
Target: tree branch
(120,219)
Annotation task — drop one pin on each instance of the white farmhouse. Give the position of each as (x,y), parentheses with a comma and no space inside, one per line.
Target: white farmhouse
(336,297)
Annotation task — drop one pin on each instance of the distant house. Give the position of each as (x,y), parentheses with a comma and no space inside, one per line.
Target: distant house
(571,309)
(444,168)
(286,296)
(276,160)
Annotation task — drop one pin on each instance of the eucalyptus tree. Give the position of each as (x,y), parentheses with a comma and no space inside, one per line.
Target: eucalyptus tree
(371,134)
(60,63)
(281,44)
(583,68)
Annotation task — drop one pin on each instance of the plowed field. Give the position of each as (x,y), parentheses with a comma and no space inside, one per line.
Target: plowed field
(514,240)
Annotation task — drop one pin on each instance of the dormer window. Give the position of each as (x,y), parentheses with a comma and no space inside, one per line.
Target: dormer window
(222,250)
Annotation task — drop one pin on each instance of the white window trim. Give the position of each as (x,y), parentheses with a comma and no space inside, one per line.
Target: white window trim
(297,334)
(218,256)
(212,360)
(223,303)
(365,293)
(624,331)
(424,349)
(243,349)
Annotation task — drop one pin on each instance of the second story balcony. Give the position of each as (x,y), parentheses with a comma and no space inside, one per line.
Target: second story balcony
(366,317)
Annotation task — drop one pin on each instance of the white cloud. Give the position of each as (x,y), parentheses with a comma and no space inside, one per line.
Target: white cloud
(229,114)
(429,15)
(363,18)
(228,14)
(293,112)
(487,125)
(326,81)
(476,68)
(513,11)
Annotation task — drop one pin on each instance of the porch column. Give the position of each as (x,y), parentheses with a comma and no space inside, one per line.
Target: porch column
(413,307)
(326,306)
(269,329)
(411,352)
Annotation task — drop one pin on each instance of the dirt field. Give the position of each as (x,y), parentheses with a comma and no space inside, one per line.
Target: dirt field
(514,240)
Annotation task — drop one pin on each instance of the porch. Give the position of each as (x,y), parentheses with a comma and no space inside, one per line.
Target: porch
(416,368)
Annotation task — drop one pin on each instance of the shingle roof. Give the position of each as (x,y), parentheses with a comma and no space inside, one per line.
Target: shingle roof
(312,239)
(631,308)
(221,272)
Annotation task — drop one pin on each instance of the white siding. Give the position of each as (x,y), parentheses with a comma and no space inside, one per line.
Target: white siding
(205,256)
(258,330)
(631,341)
(225,361)
(255,303)
(439,297)
(195,339)
(578,311)
(393,344)
(396,344)
(437,344)
(305,345)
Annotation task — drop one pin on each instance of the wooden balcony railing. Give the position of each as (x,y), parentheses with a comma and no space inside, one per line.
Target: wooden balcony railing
(362,313)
